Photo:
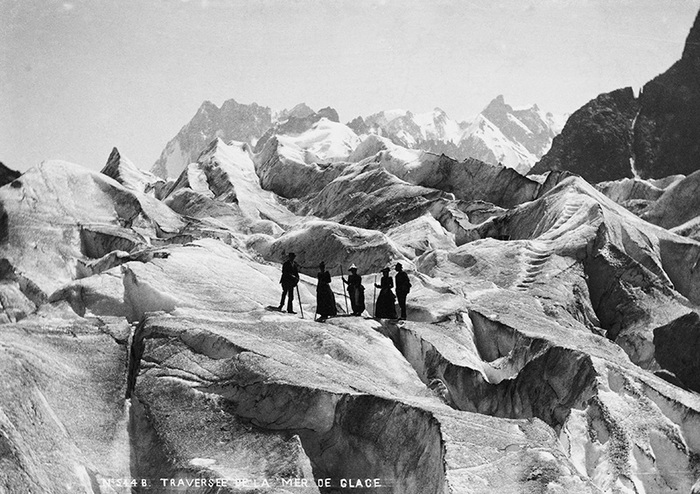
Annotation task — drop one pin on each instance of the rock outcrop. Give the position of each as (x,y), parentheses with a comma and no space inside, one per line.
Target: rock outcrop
(666,129)
(596,142)
(7,175)
(652,136)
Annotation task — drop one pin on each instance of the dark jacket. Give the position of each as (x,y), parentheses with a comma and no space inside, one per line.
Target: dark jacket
(402,283)
(290,274)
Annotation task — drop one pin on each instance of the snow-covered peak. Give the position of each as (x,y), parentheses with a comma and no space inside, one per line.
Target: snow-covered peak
(326,141)
(436,125)
(487,138)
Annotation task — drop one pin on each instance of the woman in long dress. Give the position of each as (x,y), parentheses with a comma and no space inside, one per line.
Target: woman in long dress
(385,308)
(325,300)
(356,291)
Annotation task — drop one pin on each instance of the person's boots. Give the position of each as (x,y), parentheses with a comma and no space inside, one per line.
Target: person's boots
(290,308)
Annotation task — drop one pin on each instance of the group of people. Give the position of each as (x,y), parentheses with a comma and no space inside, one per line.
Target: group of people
(384,308)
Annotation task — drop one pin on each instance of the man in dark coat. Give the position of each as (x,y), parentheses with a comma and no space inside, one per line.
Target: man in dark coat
(403,286)
(289,280)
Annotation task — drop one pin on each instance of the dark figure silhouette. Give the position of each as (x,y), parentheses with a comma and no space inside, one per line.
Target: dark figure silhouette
(325,300)
(385,301)
(289,280)
(403,286)
(356,291)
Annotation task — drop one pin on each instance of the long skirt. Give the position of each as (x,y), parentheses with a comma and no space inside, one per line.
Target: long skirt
(357,298)
(385,305)
(325,301)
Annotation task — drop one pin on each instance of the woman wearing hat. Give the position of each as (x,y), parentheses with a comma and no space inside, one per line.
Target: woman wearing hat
(356,291)
(385,308)
(325,300)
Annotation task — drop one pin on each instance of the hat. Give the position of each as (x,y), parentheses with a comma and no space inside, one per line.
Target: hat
(353,267)
(292,254)
(398,265)
(386,270)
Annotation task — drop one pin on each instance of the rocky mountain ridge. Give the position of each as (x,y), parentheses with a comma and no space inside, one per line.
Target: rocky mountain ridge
(233,121)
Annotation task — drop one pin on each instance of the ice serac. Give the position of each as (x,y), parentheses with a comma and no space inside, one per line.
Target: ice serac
(632,193)
(469,180)
(298,165)
(123,170)
(47,220)
(424,234)
(679,203)
(597,140)
(366,195)
(624,430)
(233,121)
(222,184)
(396,185)
(633,275)
(337,245)
(63,413)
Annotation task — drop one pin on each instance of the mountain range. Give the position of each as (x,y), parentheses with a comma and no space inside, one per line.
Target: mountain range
(516,138)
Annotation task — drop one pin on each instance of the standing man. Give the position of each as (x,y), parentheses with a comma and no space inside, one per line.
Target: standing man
(289,280)
(403,286)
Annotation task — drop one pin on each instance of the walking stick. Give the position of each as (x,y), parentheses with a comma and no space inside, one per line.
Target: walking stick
(299,299)
(374,302)
(344,294)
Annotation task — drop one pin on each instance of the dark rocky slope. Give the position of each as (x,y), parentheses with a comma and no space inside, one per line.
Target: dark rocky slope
(656,134)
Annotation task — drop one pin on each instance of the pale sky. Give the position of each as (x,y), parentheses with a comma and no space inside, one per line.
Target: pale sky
(80,77)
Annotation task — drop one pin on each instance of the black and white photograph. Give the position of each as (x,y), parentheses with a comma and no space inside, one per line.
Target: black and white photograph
(350,246)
